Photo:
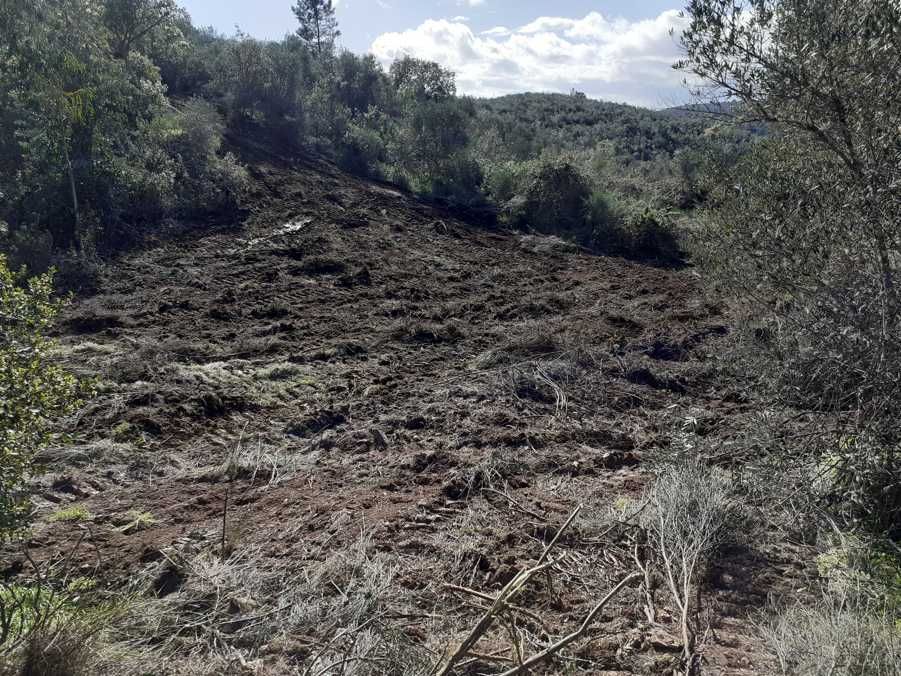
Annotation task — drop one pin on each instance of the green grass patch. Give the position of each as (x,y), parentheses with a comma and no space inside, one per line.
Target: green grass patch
(73,514)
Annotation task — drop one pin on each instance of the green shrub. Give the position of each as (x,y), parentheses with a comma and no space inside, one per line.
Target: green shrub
(650,234)
(867,571)
(205,181)
(33,389)
(554,201)
(504,180)
(45,630)
(74,513)
(803,228)
(362,150)
(634,231)
(400,178)
(458,179)
(601,209)
(31,247)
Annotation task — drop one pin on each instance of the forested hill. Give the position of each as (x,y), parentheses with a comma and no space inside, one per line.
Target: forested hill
(527,123)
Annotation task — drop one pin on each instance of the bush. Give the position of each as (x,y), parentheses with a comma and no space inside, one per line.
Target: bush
(205,181)
(458,180)
(803,228)
(504,180)
(639,231)
(835,638)
(554,201)
(601,210)
(33,389)
(650,235)
(863,482)
(362,150)
(46,631)
(31,247)
(691,514)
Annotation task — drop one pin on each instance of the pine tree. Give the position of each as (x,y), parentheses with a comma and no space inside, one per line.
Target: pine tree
(318,25)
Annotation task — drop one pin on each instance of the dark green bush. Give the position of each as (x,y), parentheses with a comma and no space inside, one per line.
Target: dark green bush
(504,180)
(650,234)
(555,200)
(458,180)
(205,180)
(362,151)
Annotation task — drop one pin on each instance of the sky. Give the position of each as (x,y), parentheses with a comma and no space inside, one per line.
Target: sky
(616,50)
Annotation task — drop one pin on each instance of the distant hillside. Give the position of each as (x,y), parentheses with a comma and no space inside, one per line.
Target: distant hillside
(703,109)
(528,123)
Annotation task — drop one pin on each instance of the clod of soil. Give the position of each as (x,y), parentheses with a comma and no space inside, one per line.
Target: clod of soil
(324,419)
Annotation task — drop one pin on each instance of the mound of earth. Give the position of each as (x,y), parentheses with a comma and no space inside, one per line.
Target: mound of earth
(350,362)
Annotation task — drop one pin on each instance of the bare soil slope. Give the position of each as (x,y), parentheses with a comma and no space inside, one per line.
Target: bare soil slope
(351,363)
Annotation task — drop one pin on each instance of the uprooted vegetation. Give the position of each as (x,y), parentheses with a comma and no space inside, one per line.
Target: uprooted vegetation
(362,484)
(361,436)
(451,413)
(343,431)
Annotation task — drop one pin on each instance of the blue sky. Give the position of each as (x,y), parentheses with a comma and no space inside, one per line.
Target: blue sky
(617,50)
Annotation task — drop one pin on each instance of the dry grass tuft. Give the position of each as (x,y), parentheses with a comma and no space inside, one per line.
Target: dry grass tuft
(834,638)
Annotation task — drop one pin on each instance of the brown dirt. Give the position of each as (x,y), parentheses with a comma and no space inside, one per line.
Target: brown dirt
(373,364)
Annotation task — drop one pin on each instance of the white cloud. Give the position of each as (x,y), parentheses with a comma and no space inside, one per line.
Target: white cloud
(613,59)
(471,3)
(460,19)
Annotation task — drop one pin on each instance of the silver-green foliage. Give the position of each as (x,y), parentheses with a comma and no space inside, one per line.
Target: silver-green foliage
(834,638)
(691,514)
(805,227)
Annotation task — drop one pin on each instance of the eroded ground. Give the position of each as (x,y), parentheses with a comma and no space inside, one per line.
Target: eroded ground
(355,370)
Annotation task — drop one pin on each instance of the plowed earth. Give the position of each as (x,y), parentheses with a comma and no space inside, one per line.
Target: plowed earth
(351,363)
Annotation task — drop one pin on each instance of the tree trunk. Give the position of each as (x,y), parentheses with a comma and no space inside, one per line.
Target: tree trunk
(76,230)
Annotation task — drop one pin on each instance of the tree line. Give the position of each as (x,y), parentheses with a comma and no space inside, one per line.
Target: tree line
(115,115)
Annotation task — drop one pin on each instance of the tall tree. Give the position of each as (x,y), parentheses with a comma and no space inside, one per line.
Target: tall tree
(423,80)
(131,21)
(318,25)
(808,222)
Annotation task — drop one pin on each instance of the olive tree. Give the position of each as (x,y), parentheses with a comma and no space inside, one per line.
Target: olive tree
(805,227)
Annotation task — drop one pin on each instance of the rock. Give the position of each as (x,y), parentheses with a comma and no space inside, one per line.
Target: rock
(661,640)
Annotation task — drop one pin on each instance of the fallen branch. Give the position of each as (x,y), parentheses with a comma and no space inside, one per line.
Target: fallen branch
(576,635)
(488,597)
(504,598)
(517,505)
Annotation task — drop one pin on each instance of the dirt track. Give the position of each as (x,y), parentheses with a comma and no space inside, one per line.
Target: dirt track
(360,363)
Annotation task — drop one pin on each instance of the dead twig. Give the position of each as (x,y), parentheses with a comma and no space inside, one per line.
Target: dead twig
(512,501)
(574,636)
(504,598)
(488,597)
